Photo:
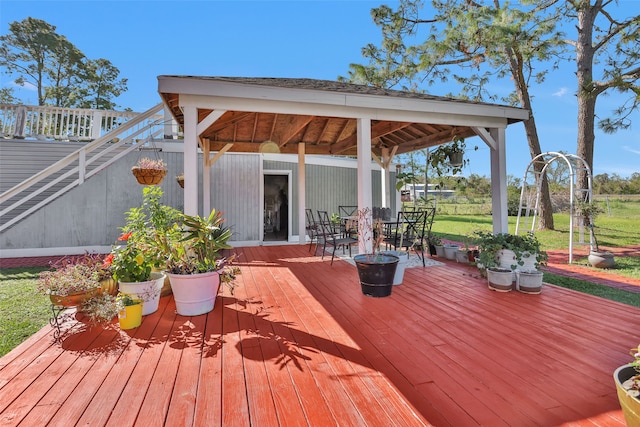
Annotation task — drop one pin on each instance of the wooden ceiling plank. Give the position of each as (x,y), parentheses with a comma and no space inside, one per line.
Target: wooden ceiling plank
(293,125)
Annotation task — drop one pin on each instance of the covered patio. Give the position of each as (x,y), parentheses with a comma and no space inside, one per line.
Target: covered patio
(298,344)
(309,117)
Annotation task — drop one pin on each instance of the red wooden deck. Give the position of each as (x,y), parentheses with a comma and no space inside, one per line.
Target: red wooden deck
(298,344)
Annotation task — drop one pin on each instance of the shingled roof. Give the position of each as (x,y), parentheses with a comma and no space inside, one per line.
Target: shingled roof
(323,114)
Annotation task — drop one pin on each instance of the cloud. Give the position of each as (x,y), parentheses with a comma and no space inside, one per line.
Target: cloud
(631,150)
(561,92)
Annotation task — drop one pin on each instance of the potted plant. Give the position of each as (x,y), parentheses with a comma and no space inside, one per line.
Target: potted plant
(627,380)
(69,284)
(129,311)
(180,179)
(95,263)
(434,241)
(100,309)
(132,263)
(195,263)
(503,253)
(375,270)
(449,158)
(149,171)
(588,211)
(147,223)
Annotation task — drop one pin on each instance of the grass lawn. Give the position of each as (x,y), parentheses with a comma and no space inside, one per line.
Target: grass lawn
(24,310)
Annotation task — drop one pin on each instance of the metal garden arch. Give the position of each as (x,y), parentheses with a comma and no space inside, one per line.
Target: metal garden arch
(532,181)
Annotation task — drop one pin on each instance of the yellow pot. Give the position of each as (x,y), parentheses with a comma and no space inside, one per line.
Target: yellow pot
(109,286)
(130,317)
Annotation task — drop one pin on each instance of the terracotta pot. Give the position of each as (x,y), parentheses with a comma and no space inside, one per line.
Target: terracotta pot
(73,300)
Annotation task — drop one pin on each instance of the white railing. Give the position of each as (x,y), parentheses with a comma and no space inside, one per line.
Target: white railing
(64,124)
(92,158)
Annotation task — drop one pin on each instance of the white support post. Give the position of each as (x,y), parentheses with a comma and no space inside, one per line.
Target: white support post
(82,165)
(499,182)
(96,124)
(364,180)
(302,195)
(385,179)
(190,161)
(206,182)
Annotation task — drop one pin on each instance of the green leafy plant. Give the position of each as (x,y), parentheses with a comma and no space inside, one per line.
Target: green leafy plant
(149,224)
(523,246)
(68,279)
(196,245)
(434,239)
(126,300)
(130,262)
(439,159)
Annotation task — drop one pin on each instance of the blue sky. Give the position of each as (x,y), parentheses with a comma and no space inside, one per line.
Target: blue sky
(312,39)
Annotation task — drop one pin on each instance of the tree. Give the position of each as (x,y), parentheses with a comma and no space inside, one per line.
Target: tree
(6,96)
(611,46)
(63,74)
(101,85)
(26,51)
(36,55)
(481,42)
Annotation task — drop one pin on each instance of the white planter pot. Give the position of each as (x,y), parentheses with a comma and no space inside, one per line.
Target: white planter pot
(601,259)
(462,257)
(402,264)
(450,251)
(195,294)
(529,282)
(507,260)
(148,292)
(500,280)
(440,251)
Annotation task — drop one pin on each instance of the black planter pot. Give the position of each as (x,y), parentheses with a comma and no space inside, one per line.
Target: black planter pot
(376,274)
(432,249)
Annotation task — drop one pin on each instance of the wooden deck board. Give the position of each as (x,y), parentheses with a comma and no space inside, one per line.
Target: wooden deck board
(299,344)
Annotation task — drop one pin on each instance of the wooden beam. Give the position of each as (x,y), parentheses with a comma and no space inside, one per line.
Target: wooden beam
(378,130)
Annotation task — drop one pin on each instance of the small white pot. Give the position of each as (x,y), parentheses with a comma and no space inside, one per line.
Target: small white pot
(402,264)
(148,292)
(529,282)
(499,279)
(462,257)
(450,251)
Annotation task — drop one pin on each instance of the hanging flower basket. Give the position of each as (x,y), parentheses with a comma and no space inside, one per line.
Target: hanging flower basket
(148,176)
(180,179)
(149,171)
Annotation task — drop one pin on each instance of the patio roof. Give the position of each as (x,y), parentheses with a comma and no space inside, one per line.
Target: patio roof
(322,114)
(299,344)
